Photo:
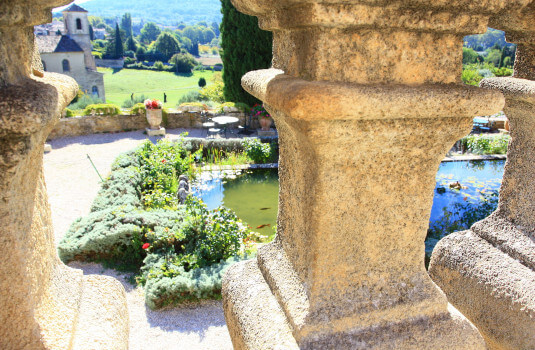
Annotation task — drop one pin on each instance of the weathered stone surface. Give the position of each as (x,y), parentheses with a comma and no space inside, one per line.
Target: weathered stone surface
(42,299)
(366,101)
(347,278)
(488,272)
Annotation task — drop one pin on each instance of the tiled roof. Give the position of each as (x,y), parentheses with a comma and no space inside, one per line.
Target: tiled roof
(66,44)
(74,8)
(56,43)
(47,43)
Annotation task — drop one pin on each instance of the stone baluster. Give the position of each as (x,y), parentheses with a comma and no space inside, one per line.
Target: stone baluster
(45,304)
(367,100)
(488,272)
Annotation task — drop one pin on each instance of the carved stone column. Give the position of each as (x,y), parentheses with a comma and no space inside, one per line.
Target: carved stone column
(44,304)
(367,100)
(488,272)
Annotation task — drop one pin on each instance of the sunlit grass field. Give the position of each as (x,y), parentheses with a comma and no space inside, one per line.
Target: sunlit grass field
(120,84)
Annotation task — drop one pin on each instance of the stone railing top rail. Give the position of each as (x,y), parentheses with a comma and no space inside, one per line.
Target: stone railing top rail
(459,16)
(313,100)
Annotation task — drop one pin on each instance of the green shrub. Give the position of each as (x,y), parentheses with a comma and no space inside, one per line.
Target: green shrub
(486,143)
(471,76)
(240,106)
(129,103)
(190,96)
(102,108)
(158,65)
(181,251)
(138,109)
(84,101)
(69,113)
(257,151)
(213,92)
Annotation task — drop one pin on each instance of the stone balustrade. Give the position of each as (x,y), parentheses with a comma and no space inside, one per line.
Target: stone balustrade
(346,269)
(45,304)
(488,272)
(367,99)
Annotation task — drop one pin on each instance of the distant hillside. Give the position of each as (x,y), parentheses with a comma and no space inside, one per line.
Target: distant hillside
(165,12)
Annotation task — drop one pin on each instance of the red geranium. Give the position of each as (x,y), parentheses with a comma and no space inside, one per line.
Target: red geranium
(145,246)
(154,104)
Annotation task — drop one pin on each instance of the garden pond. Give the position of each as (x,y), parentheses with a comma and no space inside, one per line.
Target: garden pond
(253,194)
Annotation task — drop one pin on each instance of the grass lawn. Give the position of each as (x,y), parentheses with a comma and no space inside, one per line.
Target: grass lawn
(120,84)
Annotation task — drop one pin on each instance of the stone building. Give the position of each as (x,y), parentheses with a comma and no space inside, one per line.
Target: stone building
(70,54)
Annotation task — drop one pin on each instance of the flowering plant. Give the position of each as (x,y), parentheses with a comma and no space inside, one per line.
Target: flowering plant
(153,104)
(259,111)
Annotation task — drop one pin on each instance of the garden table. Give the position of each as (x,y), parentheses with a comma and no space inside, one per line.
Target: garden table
(225,121)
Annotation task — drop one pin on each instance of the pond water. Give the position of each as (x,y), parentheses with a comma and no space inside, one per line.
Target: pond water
(253,195)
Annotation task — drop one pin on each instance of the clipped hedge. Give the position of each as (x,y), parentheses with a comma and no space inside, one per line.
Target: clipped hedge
(138,109)
(242,107)
(102,108)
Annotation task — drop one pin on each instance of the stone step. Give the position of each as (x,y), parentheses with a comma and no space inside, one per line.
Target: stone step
(103,320)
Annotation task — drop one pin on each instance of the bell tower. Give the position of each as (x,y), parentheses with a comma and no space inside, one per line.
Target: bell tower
(77,28)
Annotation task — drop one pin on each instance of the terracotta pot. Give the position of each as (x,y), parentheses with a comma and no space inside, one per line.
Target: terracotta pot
(265,123)
(154,117)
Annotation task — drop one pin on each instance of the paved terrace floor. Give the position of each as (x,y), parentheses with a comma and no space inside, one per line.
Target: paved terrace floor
(72,184)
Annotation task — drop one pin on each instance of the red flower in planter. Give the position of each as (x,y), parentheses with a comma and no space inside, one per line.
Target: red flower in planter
(155,104)
(145,246)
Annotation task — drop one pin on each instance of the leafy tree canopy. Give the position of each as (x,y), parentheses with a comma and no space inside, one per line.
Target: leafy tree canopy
(149,32)
(167,44)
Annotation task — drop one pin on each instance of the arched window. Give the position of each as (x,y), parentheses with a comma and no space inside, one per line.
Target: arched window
(44,65)
(66,66)
(78,24)
(95,91)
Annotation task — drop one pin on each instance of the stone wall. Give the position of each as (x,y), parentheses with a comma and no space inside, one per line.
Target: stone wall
(86,125)
(109,63)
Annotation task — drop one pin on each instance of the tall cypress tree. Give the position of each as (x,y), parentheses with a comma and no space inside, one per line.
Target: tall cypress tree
(245,48)
(119,49)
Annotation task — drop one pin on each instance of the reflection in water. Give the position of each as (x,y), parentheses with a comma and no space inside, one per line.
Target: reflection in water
(253,195)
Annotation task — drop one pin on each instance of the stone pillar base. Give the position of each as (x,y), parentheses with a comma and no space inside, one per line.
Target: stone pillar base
(257,321)
(155,132)
(490,287)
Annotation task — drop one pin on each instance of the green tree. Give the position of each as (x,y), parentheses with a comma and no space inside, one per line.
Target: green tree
(131,44)
(149,32)
(202,82)
(470,56)
(126,24)
(167,45)
(119,48)
(215,28)
(183,62)
(207,35)
(494,57)
(194,49)
(114,47)
(245,48)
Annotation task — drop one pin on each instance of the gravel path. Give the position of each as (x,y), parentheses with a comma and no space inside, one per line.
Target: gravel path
(72,185)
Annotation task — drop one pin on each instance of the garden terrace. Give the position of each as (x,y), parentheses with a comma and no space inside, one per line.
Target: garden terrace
(359,148)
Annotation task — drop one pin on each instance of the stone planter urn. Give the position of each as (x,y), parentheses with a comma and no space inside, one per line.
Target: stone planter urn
(154,117)
(265,123)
